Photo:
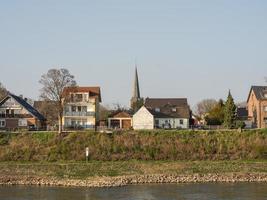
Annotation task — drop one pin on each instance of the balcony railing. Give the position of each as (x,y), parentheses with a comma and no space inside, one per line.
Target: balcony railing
(78,127)
(15,116)
(79,114)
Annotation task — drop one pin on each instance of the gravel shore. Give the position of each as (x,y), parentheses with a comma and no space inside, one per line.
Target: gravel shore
(133,180)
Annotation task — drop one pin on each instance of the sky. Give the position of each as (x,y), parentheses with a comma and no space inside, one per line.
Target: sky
(182,48)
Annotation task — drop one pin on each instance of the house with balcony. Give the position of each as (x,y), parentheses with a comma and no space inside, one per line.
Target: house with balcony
(81,107)
(17,113)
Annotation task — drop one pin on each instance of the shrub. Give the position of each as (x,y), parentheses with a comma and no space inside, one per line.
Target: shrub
(240,124)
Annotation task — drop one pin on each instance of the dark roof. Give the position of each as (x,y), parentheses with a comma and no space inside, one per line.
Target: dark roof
(25,105)
(158,114)
(259,92)
(160,102)
(167,106)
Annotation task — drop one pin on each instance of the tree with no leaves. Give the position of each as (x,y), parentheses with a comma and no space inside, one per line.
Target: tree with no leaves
(205,106)
(3,91)
(54,82)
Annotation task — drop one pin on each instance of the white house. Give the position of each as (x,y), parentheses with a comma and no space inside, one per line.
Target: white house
(143,119)
(81,109)
(163,113)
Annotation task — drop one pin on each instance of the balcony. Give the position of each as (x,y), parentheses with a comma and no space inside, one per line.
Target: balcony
(2,115)
(79,114)
(78,127)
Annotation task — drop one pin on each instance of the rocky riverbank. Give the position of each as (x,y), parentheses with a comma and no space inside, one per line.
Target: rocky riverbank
(133,180)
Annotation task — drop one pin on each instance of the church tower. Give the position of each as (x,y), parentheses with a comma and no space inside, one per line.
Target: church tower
(136,100)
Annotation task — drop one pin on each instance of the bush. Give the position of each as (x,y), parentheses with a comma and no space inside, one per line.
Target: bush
(240,124)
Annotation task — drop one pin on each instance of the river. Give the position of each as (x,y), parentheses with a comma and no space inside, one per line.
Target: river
(207,191)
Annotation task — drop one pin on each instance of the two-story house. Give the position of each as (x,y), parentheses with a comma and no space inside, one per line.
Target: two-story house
(81,107)
(17,113)
(170,113)
(257,106)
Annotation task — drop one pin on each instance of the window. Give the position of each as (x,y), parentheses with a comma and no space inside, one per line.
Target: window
(67,109)
(73,108)
(2,123)
(79,97)
(181,121)
(265,95)
(79,108)
(85,97)
(84,108)
(265,108)
(157,109)
(174,110)
(22,122)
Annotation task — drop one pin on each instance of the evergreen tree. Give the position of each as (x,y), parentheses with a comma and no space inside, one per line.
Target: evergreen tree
(229,112)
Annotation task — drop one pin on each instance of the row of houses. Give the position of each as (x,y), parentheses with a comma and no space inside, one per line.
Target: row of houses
(166,113)
(82,108)
(80,111)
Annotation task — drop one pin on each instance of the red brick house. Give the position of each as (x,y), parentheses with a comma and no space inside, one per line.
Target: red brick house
(257,106)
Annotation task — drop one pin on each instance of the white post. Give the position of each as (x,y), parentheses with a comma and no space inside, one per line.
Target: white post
(87,153)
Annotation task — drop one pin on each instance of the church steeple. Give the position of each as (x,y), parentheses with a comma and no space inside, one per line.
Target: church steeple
(136,90)
(136,99)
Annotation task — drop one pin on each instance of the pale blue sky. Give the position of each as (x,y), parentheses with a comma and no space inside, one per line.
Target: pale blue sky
(194,49)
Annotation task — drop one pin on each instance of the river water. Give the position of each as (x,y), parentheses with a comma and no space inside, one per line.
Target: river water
(207,191)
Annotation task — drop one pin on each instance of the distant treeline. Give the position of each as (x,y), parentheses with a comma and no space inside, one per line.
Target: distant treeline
(128,145)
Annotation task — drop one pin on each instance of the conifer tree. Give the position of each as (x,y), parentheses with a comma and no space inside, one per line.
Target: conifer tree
(229,112)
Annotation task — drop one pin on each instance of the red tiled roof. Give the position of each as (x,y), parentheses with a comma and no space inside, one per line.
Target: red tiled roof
(94,91)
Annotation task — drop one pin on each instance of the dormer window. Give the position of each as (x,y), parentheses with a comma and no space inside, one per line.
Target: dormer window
(157,109)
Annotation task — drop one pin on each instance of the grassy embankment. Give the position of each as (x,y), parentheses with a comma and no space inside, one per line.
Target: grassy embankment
(83,170)
(133,153)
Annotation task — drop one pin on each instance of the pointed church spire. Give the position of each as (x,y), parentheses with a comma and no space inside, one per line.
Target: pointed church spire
(136,99)
(136,90)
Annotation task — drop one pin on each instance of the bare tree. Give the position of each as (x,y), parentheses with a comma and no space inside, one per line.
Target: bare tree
(205,106)
(54,82)
(3,91)
(119,107)
(47,109)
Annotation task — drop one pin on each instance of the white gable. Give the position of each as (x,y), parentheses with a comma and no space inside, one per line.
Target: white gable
(12,104)
(143,119)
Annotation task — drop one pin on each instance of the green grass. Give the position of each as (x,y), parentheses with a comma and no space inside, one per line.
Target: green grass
(82,170)
(158,145)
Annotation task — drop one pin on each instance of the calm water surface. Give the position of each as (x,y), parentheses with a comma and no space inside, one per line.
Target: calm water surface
(244,191)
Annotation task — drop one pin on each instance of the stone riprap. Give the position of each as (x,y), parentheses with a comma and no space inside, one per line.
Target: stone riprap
(133,180)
